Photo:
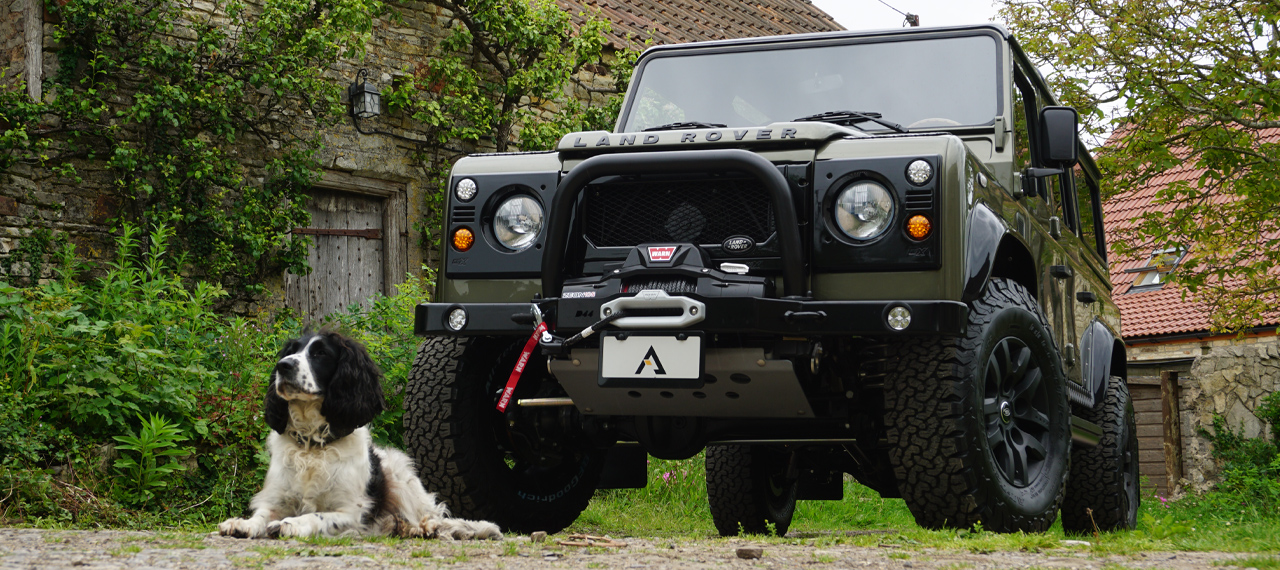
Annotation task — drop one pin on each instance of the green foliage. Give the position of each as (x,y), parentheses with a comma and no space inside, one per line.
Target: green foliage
(1194,82)
(148,473)
(530,51)
(171,99)
(1250,466)
(83,360)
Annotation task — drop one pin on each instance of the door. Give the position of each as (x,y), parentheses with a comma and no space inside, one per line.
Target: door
(347,255)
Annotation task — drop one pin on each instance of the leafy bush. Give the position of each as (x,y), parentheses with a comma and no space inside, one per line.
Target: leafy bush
(157,440)
(1250,466)
(82,360)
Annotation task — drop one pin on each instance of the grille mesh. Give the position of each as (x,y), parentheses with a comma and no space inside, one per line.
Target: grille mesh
(629,212)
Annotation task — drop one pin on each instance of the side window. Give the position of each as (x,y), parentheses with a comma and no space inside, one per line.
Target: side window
(1054,186)
(1021,135)
(1086,189)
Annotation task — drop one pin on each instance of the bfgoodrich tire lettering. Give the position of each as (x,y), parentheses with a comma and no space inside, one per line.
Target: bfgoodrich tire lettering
(748,489)
(1103,487)
(458,439)
(978,426)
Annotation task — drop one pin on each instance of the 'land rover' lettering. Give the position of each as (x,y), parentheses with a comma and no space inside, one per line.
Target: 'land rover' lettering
(764,134)
(650,139)
(713,136)
(688,137)
(788,134)
(627,139)
(578,142)
(739,135)
(604,141)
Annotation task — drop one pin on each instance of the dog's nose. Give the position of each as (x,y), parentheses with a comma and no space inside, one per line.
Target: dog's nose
(286,367)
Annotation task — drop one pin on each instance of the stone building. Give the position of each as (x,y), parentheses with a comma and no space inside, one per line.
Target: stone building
(372,191)
(1216,374)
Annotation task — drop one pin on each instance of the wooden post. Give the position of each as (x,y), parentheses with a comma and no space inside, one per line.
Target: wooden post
(1169,394)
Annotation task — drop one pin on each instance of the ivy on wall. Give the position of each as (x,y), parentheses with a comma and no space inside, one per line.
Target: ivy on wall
(206,120)
(210,120)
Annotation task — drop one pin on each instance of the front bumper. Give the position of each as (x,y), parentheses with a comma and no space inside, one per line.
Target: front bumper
(722,315)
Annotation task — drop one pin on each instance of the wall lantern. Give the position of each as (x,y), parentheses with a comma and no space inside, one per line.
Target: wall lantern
(366,103)
(366,100)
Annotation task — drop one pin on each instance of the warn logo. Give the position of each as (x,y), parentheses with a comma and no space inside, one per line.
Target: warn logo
(661,253)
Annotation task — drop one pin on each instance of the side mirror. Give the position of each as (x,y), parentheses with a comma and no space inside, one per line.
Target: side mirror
(1058,145)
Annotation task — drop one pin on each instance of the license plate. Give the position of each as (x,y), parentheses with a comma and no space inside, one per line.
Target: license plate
(660,357)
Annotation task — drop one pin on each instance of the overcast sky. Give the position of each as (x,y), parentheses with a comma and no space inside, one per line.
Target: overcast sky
(873,14)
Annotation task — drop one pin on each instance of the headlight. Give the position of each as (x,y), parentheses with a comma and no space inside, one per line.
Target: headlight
(517,222)
(863,210)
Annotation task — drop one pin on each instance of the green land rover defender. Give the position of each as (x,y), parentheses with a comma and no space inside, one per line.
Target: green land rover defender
(877,254)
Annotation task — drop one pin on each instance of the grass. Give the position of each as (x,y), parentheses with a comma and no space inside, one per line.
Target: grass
(674,505)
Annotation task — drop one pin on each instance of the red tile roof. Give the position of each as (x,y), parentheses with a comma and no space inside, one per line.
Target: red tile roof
(681,21)
(1161,311)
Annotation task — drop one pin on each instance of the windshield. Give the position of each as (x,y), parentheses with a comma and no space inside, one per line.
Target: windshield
(934,83)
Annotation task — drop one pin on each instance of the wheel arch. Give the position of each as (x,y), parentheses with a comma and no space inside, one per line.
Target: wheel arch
(994,251)
(1105,354)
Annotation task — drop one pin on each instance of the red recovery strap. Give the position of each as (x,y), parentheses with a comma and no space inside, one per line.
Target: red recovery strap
(519,369)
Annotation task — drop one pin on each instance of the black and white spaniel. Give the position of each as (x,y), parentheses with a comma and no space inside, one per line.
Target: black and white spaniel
(326,477)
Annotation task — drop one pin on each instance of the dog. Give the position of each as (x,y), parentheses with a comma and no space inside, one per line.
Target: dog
(326,478)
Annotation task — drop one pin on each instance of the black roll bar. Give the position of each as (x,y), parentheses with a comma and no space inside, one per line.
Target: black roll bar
(665,162)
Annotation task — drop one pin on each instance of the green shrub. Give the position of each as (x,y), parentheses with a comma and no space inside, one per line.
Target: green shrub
(1250,466)
(83,359)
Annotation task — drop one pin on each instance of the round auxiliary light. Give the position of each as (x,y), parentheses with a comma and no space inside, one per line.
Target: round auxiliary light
(919,172)
(919,226)
(457,319)
(465,190)
(463,239)
(517,221)
(863,210)
(899,318)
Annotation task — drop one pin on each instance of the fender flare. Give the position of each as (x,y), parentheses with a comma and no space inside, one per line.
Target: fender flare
(994,251)
(1097,352)
(985,232)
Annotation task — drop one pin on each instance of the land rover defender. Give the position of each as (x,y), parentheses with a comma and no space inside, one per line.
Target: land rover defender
(878,254)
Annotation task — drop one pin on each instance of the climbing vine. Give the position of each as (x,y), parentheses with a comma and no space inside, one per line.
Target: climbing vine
(208,119)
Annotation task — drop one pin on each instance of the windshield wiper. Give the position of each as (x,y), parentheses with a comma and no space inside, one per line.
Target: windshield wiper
(685,125)
(851,118)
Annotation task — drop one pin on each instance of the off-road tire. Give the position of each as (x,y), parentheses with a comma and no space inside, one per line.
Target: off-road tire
(453,432)
(941,419)
(1104,478)
(748,489)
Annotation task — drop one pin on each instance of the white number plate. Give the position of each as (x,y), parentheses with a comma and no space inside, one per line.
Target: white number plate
(645,356)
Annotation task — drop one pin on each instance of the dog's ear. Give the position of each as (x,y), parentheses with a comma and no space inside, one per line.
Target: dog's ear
(354,394)
(275,408)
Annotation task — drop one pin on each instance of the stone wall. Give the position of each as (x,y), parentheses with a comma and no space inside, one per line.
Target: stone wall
(400,44)
(1230,382)
(1141,351)
(13,59)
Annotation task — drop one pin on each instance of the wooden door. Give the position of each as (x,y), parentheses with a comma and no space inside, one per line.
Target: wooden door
(347,255)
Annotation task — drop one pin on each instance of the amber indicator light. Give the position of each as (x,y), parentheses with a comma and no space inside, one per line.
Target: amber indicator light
(919,226)
(462,239)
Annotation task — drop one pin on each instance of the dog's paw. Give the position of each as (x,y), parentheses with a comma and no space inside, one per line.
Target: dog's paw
(460,529)
(242,528)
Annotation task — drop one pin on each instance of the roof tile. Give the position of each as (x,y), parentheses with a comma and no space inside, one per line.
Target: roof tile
(682,21)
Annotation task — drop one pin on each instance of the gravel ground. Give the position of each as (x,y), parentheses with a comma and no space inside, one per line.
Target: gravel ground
(42,549)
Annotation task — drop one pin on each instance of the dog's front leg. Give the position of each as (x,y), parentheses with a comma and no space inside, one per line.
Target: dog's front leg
(252,527)
(330,523)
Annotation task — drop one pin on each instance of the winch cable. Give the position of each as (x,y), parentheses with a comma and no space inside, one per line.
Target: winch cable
(593,329)
(541,329)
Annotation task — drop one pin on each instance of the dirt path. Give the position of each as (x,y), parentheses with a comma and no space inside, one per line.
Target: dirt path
(41,549)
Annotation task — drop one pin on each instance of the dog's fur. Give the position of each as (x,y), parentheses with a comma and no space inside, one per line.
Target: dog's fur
(326,477)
